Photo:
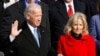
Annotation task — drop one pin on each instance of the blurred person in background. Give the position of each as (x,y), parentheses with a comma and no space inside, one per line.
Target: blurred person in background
(95,28)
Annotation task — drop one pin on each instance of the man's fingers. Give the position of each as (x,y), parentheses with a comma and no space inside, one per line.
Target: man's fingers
(19,31)
(16,23)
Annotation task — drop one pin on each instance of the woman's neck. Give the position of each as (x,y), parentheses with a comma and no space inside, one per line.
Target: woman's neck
(76,36)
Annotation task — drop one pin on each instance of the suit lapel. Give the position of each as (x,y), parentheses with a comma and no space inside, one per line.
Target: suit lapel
(43,40)
(42,31)
(30,37)
(62,9)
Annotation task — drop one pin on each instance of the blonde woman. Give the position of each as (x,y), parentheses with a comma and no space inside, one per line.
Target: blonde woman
(76,41)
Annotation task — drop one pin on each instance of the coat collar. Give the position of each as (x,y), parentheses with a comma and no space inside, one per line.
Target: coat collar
(71,41)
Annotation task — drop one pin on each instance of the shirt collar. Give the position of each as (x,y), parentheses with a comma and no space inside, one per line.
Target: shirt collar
(72,41)
(71,3)
(26,3)
(31,28)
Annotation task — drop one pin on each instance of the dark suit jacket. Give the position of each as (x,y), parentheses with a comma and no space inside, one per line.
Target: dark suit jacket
(5,1)
(16,12)
(1,11)
(49,2)
(26,45)
(93,6)
(58,18)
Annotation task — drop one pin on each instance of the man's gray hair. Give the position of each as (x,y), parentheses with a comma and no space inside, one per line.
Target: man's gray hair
(30,7)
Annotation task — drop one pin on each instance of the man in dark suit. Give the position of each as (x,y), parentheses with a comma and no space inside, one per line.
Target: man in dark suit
(23,42)
(59,17)
(16,12)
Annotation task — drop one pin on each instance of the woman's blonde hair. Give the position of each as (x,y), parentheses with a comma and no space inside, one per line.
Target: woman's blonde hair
(76,16)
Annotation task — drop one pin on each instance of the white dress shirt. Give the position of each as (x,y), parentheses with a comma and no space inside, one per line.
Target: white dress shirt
(72,4)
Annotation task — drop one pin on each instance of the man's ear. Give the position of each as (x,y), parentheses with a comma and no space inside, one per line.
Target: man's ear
(27,17)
